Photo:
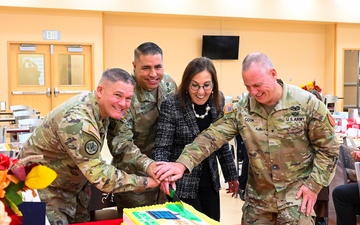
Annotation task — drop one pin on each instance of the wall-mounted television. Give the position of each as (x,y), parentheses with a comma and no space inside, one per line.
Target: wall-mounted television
(220,46)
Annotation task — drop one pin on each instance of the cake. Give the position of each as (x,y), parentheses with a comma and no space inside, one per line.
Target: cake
(166,214)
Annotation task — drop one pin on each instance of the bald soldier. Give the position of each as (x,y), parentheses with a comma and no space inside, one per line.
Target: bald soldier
(291,143)
(71,138)
(153,86)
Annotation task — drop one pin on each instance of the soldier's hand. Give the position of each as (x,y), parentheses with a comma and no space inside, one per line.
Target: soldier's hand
(150,170)
(152,183)
(169,171)
(164,186)
(308,199)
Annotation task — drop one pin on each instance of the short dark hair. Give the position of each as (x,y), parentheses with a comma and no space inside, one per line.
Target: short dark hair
(147,48)
(194,67)
(117,74)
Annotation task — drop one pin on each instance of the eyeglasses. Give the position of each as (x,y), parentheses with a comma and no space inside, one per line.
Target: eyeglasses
(206,87)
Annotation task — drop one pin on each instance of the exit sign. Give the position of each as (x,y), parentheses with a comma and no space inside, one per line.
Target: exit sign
(51,35)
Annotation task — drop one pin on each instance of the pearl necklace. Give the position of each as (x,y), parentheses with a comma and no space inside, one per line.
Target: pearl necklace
(201,116)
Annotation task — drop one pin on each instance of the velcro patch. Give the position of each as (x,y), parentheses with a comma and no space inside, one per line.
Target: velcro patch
(91,147)
(331,119)
(90,129)
(124,115)
(228,108)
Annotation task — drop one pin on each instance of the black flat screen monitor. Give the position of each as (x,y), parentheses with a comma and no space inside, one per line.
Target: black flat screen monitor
(220,47)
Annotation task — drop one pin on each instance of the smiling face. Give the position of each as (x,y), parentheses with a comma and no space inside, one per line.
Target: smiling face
(149,71)
(200,87)
(262,85)
(114,99)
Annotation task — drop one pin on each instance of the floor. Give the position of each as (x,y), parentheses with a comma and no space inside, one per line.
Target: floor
(230,209)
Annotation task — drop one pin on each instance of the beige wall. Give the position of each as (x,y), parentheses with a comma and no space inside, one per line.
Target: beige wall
(297,49)
(305,10)
(347,38)
(26,25)
(301,51)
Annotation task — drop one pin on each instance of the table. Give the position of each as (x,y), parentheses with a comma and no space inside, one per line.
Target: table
(5,113)
(102,222)
(10,149)
(14,128)
(7,118)
(8,146)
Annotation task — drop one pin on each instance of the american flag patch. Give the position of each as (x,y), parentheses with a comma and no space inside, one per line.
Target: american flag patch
(124,114)
(228,108)
(93,130)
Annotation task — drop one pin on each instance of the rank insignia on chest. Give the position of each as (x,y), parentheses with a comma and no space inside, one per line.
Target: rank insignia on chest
(91,147)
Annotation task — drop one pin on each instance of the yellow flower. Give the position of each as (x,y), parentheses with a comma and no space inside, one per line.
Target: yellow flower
(4,182)
(40,177)
(311,86)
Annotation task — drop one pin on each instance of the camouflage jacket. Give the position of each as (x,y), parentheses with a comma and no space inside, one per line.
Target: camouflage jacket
(71,138)
(294,144)
(138,128)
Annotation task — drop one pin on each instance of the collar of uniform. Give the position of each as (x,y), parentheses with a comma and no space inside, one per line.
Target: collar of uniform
(288,94)
(281,104)
(143,95)
(95,106)
(102,123)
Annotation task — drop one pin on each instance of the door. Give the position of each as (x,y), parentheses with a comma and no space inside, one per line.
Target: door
(45,75)
(351,79)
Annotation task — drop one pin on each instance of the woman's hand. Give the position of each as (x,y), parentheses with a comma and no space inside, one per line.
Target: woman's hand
(169,171)
(233,187)
(164,186)
(356,155)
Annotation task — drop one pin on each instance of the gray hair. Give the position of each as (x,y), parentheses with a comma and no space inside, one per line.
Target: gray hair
(257,58)
(117,74)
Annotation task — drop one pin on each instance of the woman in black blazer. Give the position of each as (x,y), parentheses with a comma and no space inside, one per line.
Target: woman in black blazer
(197,103)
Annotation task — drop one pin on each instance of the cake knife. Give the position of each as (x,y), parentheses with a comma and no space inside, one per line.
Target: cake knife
(175,198)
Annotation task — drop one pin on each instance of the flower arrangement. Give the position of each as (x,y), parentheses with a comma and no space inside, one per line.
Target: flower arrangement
(15,177)
(311,86)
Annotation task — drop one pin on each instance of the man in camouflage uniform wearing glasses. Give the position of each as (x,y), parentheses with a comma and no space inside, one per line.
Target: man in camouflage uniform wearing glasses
(291,143)
(138,128)
(70,139)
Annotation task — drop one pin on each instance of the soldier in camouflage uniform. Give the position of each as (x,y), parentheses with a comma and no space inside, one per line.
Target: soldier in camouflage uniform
(291,143)
(139,126)
(71,138)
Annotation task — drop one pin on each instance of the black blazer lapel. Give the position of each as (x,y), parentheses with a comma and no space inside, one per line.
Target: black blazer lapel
(190,118)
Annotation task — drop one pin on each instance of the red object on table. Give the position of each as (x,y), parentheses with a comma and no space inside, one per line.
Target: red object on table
(101,222)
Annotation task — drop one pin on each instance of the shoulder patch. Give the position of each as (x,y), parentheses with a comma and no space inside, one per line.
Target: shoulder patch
(91,147)
(228,108)
(124,115)
(331,119)
(90,129)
